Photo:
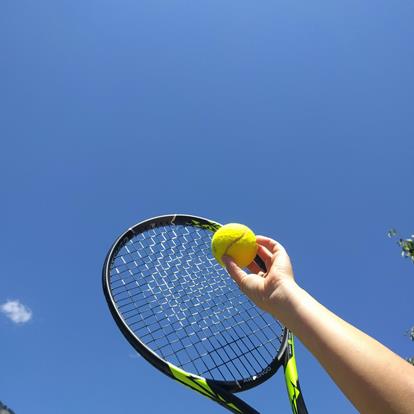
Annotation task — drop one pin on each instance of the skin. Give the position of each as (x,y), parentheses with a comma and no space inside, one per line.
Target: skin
(373,378)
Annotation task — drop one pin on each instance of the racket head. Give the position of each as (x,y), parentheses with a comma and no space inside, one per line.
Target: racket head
(180,309)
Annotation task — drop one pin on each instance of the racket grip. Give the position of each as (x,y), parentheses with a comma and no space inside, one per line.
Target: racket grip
(291,377)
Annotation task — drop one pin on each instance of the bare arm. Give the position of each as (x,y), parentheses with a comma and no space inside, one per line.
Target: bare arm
(374,379)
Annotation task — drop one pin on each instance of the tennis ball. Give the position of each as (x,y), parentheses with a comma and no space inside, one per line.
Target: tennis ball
(235,240)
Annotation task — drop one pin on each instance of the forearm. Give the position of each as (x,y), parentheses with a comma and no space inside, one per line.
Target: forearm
(374,378)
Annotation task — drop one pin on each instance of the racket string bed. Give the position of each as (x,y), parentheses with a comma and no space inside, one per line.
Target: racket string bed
(180,302)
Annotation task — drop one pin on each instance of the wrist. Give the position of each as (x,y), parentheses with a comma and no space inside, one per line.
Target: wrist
(285,300)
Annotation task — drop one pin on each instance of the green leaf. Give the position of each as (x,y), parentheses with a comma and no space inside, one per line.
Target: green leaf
(391,233)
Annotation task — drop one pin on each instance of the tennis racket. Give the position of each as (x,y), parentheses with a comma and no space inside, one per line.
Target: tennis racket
(184,314)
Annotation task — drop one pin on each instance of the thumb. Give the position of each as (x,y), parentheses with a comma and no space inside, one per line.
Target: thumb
(235,272)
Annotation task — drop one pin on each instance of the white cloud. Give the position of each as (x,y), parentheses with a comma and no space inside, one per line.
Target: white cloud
(16,311)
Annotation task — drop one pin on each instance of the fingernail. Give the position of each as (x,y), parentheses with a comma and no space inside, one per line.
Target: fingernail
(225,259)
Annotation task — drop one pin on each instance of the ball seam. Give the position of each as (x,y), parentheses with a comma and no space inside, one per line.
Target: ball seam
(231,244)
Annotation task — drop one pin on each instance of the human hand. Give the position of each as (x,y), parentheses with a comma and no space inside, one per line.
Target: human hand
(265,288)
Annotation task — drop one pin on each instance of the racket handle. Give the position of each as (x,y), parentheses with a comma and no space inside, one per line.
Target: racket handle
(291,377)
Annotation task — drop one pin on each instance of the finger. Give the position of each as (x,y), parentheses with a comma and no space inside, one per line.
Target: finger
(265,255)
(272,245)
(255,268)
(267,242)
(235,272)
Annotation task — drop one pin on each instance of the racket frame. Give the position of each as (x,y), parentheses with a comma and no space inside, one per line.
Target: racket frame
(219,391)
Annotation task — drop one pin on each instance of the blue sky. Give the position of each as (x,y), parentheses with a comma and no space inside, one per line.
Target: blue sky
(295,118)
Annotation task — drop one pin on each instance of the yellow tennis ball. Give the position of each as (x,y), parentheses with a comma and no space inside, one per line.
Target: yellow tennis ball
(235,240)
